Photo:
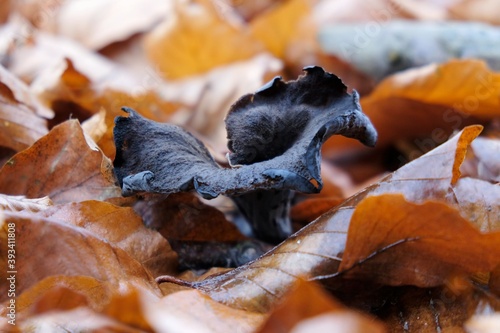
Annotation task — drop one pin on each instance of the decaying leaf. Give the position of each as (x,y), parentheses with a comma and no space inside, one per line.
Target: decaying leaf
(64,165)
(307,305)
(145,162)
(315,252)
(391,240)
(394,46)
(65,250)
(122,228)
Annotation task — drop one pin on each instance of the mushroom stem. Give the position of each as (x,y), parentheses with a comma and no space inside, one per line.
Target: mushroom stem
(268,212)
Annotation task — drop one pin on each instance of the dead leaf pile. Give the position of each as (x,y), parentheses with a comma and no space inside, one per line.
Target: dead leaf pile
(403,237)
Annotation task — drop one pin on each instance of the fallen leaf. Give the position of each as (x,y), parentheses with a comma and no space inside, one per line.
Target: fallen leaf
(64,165)
(96,24)
(62,249)
(410,309)
(426,104)
(20,203)
(23,117)
(391,240)
(58,292)
(306,303)
(189,42)
(122,228)
(72,94)
(276,27)
(195,312)
(315,252)
(40,59)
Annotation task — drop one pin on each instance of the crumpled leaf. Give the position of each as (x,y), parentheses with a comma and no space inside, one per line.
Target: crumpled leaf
(23,117)
(189,42)
(395,46)
(391,240)
(172,160)
(122,228)
(315,252)
(20,203)
(426,104)
(96,24)
(58,301)
(64,165)
(47,247)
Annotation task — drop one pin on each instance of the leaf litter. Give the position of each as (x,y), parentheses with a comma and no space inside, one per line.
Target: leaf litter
(368,280)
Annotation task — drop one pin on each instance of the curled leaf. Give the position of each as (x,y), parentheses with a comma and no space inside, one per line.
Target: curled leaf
(288,123)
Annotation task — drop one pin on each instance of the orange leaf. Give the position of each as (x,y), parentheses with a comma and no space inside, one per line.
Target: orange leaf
(276,27)
(122,228)
(64,165)
(306,304)
(196,39)
(46,247)
(315,252)
(391,240)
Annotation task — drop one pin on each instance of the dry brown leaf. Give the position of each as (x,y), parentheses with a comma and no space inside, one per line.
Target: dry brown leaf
(96,23)
(46,247)
(306,303)
(315,251)
(430,102)
(193,311)
(410,309)
(71,94)
(390,241)
(479,202)
(310,209)
(42,57)
(122,228)
(64,164)
(197,39)
(23,117)
(20,203)
(277,26)
(60,292)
